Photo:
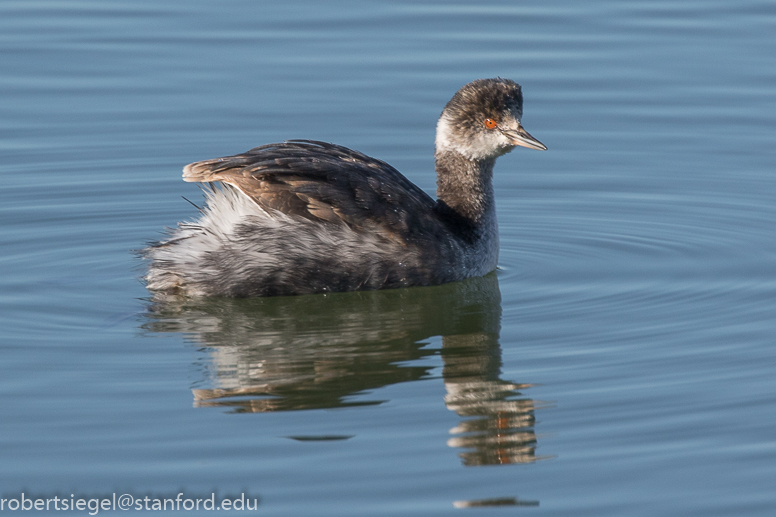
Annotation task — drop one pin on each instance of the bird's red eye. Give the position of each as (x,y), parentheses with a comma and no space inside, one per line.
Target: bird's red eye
(490,123)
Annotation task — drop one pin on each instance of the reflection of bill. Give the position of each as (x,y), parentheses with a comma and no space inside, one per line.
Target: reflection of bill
(313,352)
(501,501)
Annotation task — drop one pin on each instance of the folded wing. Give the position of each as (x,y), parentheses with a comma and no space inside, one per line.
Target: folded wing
(324,182)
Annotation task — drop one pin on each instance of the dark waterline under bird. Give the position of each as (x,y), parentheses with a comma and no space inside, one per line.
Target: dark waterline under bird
(303,217)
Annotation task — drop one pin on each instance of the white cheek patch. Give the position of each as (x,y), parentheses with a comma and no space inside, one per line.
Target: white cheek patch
(443,134)
(476,145)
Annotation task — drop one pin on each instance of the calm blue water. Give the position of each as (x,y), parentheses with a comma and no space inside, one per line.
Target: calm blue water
(620,363)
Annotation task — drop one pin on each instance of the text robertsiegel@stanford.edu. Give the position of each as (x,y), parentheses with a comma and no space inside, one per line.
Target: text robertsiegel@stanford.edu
(93,505)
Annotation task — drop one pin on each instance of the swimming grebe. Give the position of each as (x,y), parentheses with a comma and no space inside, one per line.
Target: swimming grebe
(303,217)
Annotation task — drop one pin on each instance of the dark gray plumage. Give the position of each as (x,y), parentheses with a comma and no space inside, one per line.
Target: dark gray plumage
(308,217)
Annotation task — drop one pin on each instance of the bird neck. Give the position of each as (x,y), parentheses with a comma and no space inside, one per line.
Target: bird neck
(465,186)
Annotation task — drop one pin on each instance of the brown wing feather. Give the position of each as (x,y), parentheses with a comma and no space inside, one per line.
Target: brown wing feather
(323,182)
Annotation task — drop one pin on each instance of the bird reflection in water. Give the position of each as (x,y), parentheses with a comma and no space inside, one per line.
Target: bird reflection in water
(327,351)
(498,424)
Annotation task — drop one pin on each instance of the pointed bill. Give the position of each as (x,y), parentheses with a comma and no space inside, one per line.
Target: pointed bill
(523,138)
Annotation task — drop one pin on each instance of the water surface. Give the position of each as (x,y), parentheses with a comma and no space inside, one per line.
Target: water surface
(620,362)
